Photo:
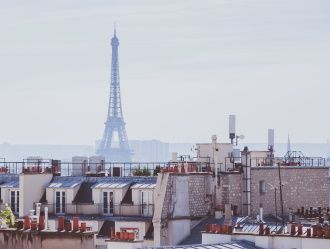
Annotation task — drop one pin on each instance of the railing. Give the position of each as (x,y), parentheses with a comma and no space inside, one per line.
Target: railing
(283,161)
(102,168)
(57,167)
(98,209)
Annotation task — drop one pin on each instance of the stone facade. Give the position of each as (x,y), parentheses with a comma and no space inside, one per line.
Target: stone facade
(231,189)
(191,192)
(302,187)
(199,195)
(179,198)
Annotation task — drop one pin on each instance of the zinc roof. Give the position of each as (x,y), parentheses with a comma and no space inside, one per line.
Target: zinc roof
(143,186)
(232,245)
(65,182)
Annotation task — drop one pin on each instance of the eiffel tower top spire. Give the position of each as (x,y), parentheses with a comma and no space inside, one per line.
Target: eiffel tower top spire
(115,151)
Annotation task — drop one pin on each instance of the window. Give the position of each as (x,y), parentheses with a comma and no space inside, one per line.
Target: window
(146,203)
(262,187)
(60,202)
(14,201)
(108,204)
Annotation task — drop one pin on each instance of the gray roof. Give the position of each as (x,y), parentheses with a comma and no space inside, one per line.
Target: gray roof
(65,182)
(111,185)
(73,181)
(240,244)
(9,181)
(144,186)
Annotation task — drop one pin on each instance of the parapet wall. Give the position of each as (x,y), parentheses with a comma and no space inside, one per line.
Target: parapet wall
(19,239)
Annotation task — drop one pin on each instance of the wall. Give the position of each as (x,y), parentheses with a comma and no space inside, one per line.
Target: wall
(118,194)
(136,195)
(200,193)
(124,244)
(178,199)
(303,186)
(70,194)
(231,190)
(178,230)
(206,150)
(13,239)
(32,187)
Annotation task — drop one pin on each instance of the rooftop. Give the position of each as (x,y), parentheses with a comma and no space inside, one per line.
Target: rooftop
(241,244)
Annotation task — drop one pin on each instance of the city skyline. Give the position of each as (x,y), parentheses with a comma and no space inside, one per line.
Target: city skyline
(184,67)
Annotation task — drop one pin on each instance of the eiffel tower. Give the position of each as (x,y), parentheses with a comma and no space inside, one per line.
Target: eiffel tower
(115,151)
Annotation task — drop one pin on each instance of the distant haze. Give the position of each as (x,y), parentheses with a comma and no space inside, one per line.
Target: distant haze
(184,65)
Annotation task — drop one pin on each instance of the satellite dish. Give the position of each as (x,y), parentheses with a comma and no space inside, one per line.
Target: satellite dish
(241,137)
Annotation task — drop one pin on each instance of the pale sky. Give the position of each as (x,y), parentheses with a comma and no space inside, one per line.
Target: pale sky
(184,65)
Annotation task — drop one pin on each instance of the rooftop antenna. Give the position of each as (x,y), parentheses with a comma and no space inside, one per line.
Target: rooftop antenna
(271,140)
(232,128)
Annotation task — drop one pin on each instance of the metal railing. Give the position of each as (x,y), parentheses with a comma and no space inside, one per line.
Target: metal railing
(57,167)
(99,209)
(101,169)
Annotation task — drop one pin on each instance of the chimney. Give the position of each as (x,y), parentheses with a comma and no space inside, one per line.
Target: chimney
(46,217)
(38,207)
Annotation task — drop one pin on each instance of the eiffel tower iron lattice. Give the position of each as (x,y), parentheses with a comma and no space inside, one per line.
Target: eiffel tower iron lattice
(115,151)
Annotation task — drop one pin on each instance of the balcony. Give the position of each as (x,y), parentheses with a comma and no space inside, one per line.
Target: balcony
(128,210)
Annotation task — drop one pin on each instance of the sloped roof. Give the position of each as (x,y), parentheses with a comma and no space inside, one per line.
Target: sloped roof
(9,181)
(84,194)
(121,182)
(144,186)
(240,244)
(109,184)
(106,227)
(65,182)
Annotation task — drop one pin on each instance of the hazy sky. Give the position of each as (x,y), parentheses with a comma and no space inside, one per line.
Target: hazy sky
(185,65)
